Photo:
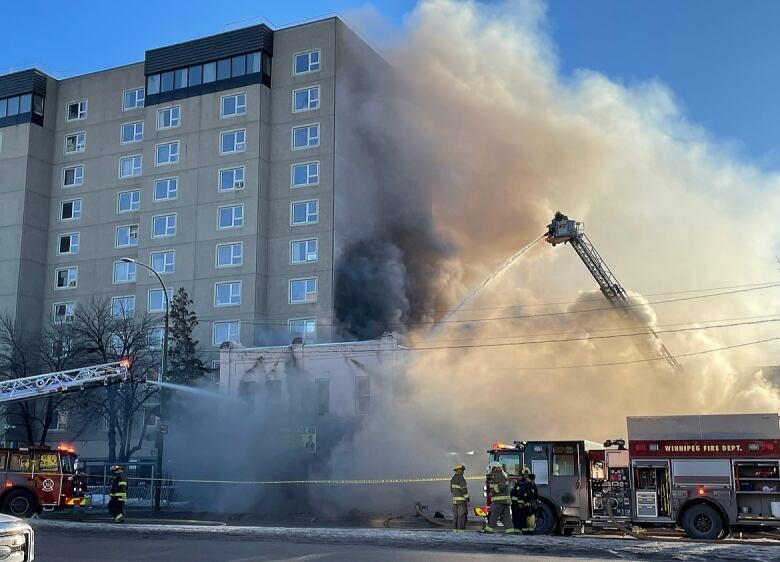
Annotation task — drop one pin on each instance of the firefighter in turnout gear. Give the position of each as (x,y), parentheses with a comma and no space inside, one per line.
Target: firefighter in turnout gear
(460,498)
(118,494)
(500,500)
(525,498)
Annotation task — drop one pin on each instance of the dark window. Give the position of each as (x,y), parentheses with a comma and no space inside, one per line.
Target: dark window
(153,84)
(323,396)
(3,458)
(25,103)
(166,82)
(246,392)
(511,463)
(223,69)
(209,72)
(253,63)
(180,78)
(13,106)
(362,394)
(3,107)
(37,104)
(196,72)
(266,64)
(563,462)
(239,66)
(273,391)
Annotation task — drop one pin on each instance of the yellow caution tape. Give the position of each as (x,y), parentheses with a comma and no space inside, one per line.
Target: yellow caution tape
(365,481)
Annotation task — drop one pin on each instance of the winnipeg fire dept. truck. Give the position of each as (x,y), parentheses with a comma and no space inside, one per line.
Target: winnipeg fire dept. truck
(706,474)
(36,478)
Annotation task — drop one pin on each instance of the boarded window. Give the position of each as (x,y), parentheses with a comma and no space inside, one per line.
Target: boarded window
(362,394)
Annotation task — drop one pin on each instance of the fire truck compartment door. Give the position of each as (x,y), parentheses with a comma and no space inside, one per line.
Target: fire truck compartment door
(568,483)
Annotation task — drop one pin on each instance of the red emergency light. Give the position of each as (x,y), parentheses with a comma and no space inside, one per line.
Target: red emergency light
(501,445)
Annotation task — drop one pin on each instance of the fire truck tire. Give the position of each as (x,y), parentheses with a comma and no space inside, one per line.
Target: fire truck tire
(545,520)
(702,522)
(20,503)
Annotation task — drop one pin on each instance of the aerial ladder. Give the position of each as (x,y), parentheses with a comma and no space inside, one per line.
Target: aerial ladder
(563,230)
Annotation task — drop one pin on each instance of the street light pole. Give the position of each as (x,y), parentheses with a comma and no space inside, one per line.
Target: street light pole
(160,378)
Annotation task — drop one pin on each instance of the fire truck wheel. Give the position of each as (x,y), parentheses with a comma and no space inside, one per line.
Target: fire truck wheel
(702,522)
(20,503)
(545,520)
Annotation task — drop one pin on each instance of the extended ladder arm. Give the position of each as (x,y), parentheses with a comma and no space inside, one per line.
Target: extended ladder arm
(38,386)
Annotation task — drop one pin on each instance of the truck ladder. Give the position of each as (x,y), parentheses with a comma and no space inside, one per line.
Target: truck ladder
(62,381)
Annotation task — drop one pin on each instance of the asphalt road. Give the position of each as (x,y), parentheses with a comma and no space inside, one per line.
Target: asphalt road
(56,545)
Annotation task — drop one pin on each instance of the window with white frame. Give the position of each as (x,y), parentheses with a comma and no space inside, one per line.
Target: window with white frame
(132,132)
(124,272)
(133,99)
(61,423)
(304,212)
(230,217)
(232,141)
(75,142)
(306,99)
(303,251)
(166,189)
(64,312)
(168,117)
(68,243)
(305,328)
(70,210)
(227,294)
(73,176)
(166,153)
(232,178)
(163,262)
(164,225)
(307,62)
(156,302)
(130,166)
(123,307)
(303,290)
(233,105)
(128,201)
(226,331)
(126,236)
(77,110)
(307,136)
(230,255)
(305,174)
(156,337)
(66,277)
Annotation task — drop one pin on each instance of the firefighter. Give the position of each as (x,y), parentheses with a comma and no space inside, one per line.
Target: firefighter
(525,498)
(460,498)
(500,500)
(118,493)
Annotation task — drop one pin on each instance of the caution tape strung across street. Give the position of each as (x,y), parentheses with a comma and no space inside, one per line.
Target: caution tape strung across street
(365,481)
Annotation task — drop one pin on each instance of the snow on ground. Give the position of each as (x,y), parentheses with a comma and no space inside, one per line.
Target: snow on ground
(616,548)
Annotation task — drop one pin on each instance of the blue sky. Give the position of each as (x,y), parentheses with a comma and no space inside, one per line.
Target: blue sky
(720,57)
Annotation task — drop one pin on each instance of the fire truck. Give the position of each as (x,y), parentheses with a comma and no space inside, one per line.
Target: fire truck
(708,475)
(37,478)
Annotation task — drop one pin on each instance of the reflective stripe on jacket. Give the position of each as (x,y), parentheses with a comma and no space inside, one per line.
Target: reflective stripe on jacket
(459,489)
(499,488)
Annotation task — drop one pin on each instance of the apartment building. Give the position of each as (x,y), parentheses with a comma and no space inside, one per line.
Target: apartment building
(216,161)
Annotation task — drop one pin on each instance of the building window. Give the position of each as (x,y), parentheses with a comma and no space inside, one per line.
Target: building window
(156,337)
(156,301)
(123,307)
(166,153)
(323,396)
(195,75)
(305,174)
(230,217)
(303,212)
(209,72)
(133,99)
(70,210)
(233,105)
(307,136)
(68,244)
(303,290)
(231,179)
(128,201)
(303,251)
(232,141)
(168,118)
(73,176)
(76,142)
(166,189)
(66,278)
(126,236)
(153,84)
(163,262)
(77,110)
(64,312)
(132,132)
(180,78)
(130,166)
(227,294)
(226,331)
(124,272)
(306,99)
(164,225)
(223,69)
(230,255)
(166,81)
(307,62)
(305,328)
(62,421)
(362,394)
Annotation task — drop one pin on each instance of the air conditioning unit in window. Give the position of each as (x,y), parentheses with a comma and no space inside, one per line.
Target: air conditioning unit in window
(311,257)
(238,184)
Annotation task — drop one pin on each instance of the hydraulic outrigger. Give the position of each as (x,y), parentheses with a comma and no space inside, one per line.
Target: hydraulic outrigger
(562,230)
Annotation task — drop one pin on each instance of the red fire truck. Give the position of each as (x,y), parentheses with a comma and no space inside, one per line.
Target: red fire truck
(706,474)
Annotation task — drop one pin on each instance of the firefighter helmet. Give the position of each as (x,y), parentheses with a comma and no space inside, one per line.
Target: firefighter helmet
(117,468)
(526,471)
(494,465)
(459,467)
